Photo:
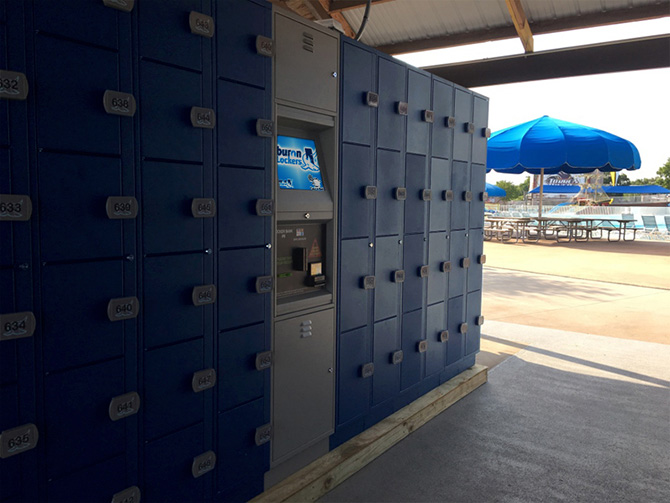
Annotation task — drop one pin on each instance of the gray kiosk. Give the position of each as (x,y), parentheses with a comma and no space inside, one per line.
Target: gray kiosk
(305,254)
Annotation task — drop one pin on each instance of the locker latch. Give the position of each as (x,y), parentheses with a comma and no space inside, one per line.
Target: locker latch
(203,118)
(265,46)
(428,116)
(463,328)
(117,103)
(486,132)
(422,346)
(264,360)
(132,494)
(263,434)
(367,370)
(448,195)
(450,122)
(123,308)
(469,127)
(399,276)
(122,5)
(370,192)
(124,405)
(424,271)
(372,99)
(265,207)
(465,263)
(201,24)
(203,464)
(397,357)
(467,196)
(264,284)
(203,379)
(484,196)
(203,295)
(121,207)
(265,128)
(479,320)
(369,283)
(401,107)
(446,266)
(15,208)
(17,440)
(13,85)
(17,325)
(444,336)
(482,259)
(203,207)
(400,193)
(426,194)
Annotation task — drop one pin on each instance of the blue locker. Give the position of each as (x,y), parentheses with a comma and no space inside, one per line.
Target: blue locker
(76,407)
(92,483)
(416,206)
(78,186)
(169,313)
(358,67)
(357,172)
(443,108)
(168,224)
(238,109)
(475,254)
(6,228)
(413,332)
(386,379)
(463,115)
(388,260)
(392,85)
(240,461)
(8,370)
(460,184)
(458,253)
(354,266)
(389,214)
(242,22)
(455,320)
(164,27)
(169,402)
(436,323)
(413,290)
(81,123)
(239,380)
(167,467)
(100,26)
(239,225)
(480,119)
(438,276)
(474,320)
(353,391)
(418,129)
(166,97)
(75,326)
(4,104)
(10,468)
(477,187)
(441,201)
(240,303)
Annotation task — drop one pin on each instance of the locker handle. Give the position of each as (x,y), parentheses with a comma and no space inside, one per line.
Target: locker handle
(124,405)
(422,346)
(370,192)
(444,336)
(367,370)
(263,360)
(426,194)
(428,116)
(131,494)
(121,207)
(118,103)
(397,357)
(202,464)
(263,434)
(400,193)
(401,107)
(17,440)
(446,266)
(424,270)
(122,5)
(13,85)
(463,328)
(264,284)
(204,118)
(203,379)
(265,46)
(369,283)
(203,207)
(448,195)
(482,259)
(201,24)
(484,196)
(467,196)
(15,208)
(486,132)
(465,263)
(469,127)
(479,320)
(17,325)
(372,99)
(399,276)
(450,122)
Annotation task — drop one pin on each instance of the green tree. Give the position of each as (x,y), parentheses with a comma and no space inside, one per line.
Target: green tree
(664,175)
(623,179)
(513,191)
(525,186)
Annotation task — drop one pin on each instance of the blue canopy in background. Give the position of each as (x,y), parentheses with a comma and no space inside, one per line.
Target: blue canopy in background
(609,189)
(495,191)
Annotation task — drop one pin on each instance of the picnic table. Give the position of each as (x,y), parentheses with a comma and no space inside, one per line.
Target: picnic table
(506,228)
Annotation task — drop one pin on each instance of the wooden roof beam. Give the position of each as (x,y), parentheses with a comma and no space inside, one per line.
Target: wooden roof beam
(337,16)
(521,24)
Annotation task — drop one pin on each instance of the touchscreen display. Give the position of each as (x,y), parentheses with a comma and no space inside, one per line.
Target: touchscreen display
(298,164)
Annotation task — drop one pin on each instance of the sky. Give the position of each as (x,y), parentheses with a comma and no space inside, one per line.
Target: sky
(633,105)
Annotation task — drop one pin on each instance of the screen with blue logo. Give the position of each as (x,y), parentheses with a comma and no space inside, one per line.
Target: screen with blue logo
(298,164)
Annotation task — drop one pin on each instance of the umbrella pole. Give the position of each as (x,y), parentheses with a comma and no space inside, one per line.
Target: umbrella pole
(539,213)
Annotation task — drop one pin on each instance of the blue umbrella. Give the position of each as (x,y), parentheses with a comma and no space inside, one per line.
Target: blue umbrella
(495,191)
(548,145)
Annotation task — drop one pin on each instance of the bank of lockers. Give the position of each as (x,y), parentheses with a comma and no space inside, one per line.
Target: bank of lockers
(135,327)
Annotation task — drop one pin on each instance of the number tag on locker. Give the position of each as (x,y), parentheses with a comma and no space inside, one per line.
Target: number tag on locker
(17,440)
(202,380)
(15,208)
(121,207)
(202,207)
(124,405)
(124,308)
(117,103)
(202,295)
(130,495)
(13,85)
(203,464)
(17,325)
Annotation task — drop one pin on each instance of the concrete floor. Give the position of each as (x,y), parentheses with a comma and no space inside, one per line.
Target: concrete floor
(577,407)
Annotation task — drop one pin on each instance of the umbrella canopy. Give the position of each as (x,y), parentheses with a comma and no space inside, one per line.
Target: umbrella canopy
(550,145)
(495,191)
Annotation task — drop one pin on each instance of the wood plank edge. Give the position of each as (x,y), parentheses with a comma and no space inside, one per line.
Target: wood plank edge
(332,469)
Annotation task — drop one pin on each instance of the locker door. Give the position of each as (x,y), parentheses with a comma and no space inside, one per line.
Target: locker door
(6,234)
(463,115)
(8,354)
(354,266)
(9,418)
(460,207)
(388,260)
(390,206)
(239,225)
(353,390)
(477,187)
(455,319)
(416,207)
(437,349)
(392,85)
(169,313)
(440,204)
(238,109)
(414,259)
(167,95)
(92,483)
(474,310)
(168,467)
(413,330)
(164,27)
(243,22)
(80,430)
(168,222)
(443,108)
(386,379)
(75,325)
(418,129)
(169,400)
(481,121)
(357,173)
(238,379)
(475,253)
(458,253)
(438,254)
(76,188)
(78,81)
(358,67)
(240,460)
(241,303)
